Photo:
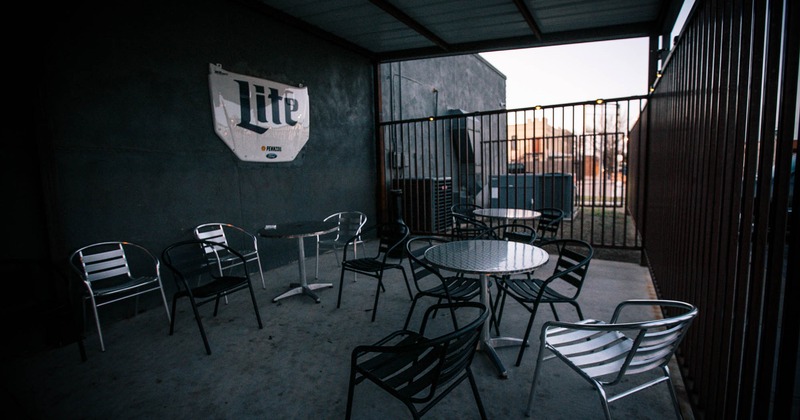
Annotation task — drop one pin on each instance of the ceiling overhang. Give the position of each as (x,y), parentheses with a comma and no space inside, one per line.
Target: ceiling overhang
(399,30)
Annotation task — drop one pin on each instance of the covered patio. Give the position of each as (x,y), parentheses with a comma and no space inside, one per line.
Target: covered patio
(111,139)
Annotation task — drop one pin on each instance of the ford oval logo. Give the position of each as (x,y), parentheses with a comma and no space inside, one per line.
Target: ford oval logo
(271,155)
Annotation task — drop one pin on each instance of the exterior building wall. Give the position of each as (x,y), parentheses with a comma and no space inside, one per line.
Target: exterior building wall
(432,87)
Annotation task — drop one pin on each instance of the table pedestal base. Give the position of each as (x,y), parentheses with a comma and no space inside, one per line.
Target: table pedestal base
(297,288)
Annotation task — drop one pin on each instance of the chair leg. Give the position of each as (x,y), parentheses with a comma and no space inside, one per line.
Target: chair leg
(539,360)
(166,305)
(200,324)
(475,392)
(97,323)
(577,309)
(672,394)
(555,313)
(341,283)
(411,311)
(408,286)
(172,321)
(261,273)
(255,305)
(377,295)
(527,333)
(350,391)
(603,399)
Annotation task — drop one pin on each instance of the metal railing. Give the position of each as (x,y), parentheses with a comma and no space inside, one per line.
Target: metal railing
(569,156)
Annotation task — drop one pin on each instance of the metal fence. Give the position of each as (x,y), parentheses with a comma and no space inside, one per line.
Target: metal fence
(571,156)
(713,153)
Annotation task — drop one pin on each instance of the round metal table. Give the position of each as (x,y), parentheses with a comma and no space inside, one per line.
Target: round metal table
(300,230)
(485,258)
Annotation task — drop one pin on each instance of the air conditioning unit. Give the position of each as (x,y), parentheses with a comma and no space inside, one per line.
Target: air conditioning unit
(426,203)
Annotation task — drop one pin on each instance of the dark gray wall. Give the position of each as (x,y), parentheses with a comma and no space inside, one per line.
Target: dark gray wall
(112,135)
(134,153)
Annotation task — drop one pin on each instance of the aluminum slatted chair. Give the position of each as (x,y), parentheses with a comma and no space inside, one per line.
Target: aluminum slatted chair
(606,353)
(419,370)
(114,271)
(244,242)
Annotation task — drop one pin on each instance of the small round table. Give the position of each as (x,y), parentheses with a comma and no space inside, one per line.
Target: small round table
(300,230)
(508,214)
(488,257)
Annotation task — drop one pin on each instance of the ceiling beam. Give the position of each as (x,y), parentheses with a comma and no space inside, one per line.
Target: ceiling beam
(526,13)
(637,30)
(411,23)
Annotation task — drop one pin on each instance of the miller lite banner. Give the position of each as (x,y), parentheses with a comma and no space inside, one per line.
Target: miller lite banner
(259,120)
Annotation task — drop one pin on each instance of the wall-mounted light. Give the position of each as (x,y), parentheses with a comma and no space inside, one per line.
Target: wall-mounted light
(599,101)
(430,118)
(537,107)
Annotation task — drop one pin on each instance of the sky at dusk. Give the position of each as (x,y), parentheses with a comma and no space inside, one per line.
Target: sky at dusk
(577,72)
(572,73)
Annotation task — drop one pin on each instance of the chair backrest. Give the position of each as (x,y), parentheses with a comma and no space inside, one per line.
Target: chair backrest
(392,237)
(188,261)
(657,340)
(572,265)
(350,224)
(640,346)
(451,353)
(549,223)
(415,251)
(436,365)
(108,261)
(465,209)
(214,233)
(466,227)
(231,236)
(514,232)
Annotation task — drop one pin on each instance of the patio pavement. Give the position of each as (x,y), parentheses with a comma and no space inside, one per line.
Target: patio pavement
(297,367)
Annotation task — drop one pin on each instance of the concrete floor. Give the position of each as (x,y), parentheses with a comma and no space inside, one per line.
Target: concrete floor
(297,367)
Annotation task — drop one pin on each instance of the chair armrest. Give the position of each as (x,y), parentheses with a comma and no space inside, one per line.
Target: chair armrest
(655,303)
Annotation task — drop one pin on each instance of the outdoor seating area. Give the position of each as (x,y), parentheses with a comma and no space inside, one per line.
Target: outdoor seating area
(298,365)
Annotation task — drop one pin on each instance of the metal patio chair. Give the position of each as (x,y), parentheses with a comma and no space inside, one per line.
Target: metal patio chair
(114,271)
(562,286)
(350,224)
(606,353)
(244,242)
(198,279)
(420,370)
(391,236)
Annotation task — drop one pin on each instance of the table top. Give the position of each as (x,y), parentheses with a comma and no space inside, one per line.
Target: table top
(508,214)
(479,256)
(298,229)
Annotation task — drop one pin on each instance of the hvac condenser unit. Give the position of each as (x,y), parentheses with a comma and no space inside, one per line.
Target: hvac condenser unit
(426,203)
